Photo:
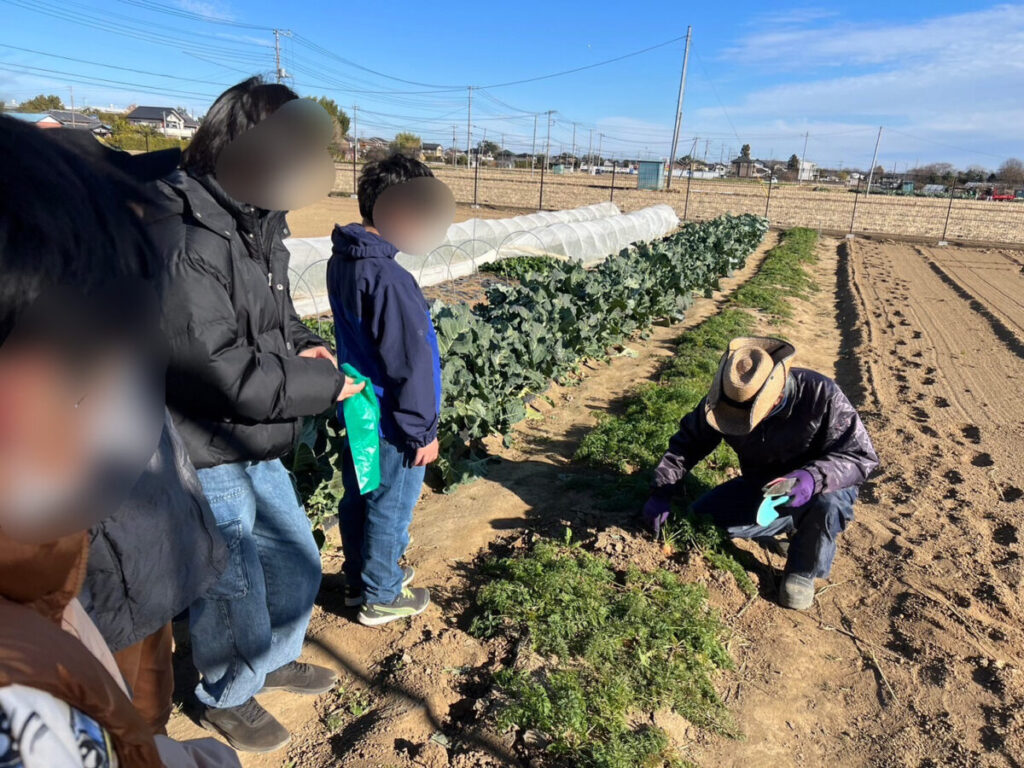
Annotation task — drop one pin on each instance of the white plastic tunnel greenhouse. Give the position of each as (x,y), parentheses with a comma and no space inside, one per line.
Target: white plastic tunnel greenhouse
(586,235)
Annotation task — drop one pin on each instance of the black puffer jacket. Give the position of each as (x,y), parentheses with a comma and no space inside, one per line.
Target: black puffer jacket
(816,429)
(159,552)
(235,383)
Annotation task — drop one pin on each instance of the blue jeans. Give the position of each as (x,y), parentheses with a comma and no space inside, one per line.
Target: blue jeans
(812,528)
(375,527)
(254,619)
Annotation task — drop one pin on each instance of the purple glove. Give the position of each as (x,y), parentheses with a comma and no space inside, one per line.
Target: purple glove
(803,487)
(656,513)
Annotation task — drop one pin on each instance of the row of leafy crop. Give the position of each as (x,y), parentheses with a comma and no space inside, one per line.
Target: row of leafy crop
(527,335)
(496,354)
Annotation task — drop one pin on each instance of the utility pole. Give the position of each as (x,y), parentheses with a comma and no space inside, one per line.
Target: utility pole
(874,158)
(278,69)
(454,146)
(355,146)
(590,153)
(72,89)
(800,170)
(547,144)
(707,143)
(533,152)
(600,141)
(469,128)
(679,110)
(574,147)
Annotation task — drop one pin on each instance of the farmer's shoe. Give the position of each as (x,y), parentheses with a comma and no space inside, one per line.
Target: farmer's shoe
(354,596)
(247,727)
(775,545)
(796,592)
(298,677)
(412,602)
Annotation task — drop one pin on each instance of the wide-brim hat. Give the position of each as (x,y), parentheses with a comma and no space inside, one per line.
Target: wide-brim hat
(751,378)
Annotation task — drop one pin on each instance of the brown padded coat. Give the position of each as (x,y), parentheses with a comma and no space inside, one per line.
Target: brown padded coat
(37,582)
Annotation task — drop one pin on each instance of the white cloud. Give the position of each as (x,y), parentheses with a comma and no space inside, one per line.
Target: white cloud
(948,88)
(212,10)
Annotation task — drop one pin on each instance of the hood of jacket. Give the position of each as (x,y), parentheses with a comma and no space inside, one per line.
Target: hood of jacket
(43,577)
(354,241)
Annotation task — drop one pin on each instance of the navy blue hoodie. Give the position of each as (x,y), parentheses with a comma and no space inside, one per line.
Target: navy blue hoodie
(383,329)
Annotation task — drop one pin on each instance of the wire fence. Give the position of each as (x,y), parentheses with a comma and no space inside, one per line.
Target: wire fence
(828,207)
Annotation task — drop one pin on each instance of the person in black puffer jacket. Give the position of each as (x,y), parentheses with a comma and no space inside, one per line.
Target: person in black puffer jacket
(243,371)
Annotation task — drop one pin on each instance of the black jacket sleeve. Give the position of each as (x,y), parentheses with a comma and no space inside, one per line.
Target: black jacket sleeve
(848,457)
(211,374)
(694,440)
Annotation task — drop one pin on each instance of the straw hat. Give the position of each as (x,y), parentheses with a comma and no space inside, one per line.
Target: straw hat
(749,381)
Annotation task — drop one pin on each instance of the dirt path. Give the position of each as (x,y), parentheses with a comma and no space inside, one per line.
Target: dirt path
(911,656)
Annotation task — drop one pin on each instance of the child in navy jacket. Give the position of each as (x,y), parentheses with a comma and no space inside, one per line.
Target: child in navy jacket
(384,330)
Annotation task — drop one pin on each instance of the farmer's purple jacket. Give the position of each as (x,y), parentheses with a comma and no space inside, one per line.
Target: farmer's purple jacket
(816,429)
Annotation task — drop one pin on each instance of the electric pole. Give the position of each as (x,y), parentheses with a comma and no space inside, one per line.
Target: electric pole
(707,143)
(590,153)
(355,147)
(547,149)
(279,70)
(72,89)
(454,145)
(600,141)
(574,147)
(874,158)
(800,170)
(533,152)
(679,110)
(469,129)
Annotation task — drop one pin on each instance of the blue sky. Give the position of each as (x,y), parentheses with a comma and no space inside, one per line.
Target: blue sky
(947,83)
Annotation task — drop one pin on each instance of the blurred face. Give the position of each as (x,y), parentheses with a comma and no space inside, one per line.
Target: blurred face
(73,438)
(415,216)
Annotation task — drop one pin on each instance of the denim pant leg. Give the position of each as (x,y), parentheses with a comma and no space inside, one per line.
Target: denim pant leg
(230,625)
(351,522)
(812,547)
(733,506)
(386,523)
(291,561)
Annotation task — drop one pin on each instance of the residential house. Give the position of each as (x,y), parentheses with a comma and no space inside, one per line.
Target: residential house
(432,151)
(745,167)
(41,119)
(80,121)
(166,120)
(807,171)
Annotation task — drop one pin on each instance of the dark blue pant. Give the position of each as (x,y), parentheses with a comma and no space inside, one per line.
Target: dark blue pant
(375,526)
(812,528)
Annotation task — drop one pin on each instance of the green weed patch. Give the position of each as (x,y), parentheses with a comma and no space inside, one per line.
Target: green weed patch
(616,647)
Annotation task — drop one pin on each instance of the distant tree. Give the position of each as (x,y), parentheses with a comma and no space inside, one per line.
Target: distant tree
(974,173)
(1012,171)
(745,151)
(341,120)
(41,103)
(488,148)
(406,143)
(879,171)
(793,164)
(991,177)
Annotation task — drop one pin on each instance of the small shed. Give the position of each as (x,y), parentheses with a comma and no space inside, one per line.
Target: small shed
(651,175)
(558,169)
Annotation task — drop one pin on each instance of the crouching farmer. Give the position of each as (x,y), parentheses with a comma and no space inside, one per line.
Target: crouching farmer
(788,426)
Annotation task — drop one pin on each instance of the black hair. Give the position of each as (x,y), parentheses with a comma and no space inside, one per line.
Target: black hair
(383,174)
(65,223)
(235,111)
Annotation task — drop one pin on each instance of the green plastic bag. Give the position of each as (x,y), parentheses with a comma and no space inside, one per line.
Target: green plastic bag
(362,423)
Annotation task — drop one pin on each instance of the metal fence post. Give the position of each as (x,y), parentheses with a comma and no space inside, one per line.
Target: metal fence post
(949,210)
(540,203)
(768,203)
(856,197)
(476,177)
(686,204)
(611,197)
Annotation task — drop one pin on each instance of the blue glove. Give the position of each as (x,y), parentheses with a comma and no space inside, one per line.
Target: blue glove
(656,512)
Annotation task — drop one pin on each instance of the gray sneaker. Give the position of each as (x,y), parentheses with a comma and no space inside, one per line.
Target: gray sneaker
(299,677)
(796,592)
(412,602)
(247,727)
(354,597)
